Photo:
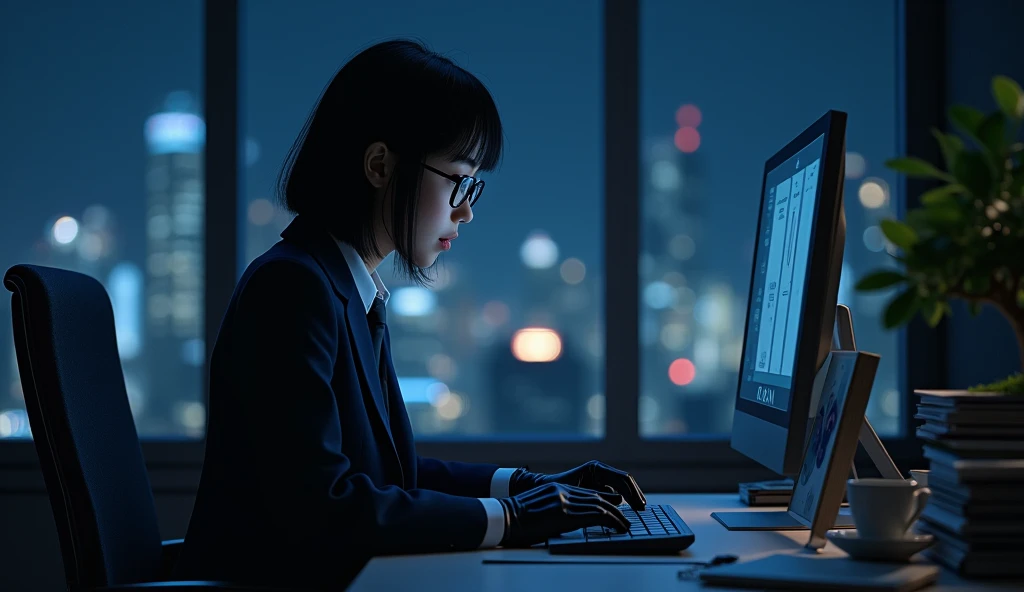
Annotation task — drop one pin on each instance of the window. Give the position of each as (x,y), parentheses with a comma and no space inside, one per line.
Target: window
(723,86)
(103,175)
(509,340)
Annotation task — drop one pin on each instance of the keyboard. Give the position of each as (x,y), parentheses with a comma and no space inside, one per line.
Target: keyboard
(657,529)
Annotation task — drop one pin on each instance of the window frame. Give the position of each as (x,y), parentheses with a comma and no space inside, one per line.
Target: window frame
(662,464)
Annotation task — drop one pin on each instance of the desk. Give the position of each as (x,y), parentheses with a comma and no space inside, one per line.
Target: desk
(465,571)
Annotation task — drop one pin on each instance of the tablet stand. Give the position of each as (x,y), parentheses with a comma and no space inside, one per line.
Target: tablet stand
(842,339)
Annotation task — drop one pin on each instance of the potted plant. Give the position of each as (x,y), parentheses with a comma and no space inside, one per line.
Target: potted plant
(966,240)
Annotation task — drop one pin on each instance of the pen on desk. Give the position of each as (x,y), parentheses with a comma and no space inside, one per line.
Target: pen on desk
(579,562)
(717,560)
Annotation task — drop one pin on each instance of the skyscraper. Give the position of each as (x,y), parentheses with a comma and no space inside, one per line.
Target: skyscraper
(689,304)
(175,138)
(675,270)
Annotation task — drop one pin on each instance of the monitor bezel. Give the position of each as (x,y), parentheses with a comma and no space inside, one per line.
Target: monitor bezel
(816,322)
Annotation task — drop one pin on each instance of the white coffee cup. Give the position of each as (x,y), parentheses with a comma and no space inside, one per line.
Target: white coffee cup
(884,509)
(921,476)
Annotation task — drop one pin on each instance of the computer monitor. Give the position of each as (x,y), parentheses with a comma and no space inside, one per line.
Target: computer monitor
(792,301)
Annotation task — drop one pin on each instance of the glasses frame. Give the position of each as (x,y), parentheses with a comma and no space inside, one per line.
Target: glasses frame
(475,185)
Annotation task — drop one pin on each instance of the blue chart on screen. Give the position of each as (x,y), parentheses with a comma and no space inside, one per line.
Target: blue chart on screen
(783,259)
(811,481)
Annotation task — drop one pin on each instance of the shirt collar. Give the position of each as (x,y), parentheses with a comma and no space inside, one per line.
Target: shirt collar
(369,285)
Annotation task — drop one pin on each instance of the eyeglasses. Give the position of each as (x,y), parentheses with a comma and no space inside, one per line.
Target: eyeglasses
(466,187)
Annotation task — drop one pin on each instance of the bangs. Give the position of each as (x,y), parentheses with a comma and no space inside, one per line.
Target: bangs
(460,119)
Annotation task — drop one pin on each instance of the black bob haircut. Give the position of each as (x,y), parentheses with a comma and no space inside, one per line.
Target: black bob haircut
(419,103)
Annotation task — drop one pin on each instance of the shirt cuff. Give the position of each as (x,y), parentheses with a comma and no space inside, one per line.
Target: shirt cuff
(499,482)
(495,522)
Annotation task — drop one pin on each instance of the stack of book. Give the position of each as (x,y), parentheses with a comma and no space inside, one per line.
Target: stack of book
(775,492)
(974,443)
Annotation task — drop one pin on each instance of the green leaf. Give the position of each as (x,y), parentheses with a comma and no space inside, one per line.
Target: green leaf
(932,312)
(1016,188)
(916,167)
(992,135)
(901,308)
(1009,96)
(925,261)
(879,280)
(977,284)
(942,195)
(1020,297)
(944,216)
(974,307)
(919,221)
(898,233)
(951,147)
(973,172)
(966,119)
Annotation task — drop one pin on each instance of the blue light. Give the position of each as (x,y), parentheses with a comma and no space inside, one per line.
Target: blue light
(413,301)
(175,133)
(421,390)
(14,424)
(659,295)
(193,351)
(845,285)
(125,286)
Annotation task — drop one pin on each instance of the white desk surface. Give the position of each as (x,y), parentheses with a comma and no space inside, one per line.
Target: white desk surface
(466,571)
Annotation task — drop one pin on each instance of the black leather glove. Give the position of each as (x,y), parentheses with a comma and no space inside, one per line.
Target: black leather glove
(612,483)
(547,511)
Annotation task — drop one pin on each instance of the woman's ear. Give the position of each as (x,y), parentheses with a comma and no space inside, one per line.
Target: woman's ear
(378,164)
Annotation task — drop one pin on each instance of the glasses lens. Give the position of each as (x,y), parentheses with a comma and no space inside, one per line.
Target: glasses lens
(477,190)
(462,191)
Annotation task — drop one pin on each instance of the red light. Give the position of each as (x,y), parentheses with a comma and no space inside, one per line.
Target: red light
(687,139)
(688,116)
(681,372)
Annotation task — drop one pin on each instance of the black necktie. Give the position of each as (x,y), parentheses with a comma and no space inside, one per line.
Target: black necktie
(377,319)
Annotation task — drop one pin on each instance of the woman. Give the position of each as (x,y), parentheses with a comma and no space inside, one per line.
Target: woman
(310,463)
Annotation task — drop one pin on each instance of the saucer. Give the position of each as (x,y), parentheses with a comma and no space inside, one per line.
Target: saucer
(898,550)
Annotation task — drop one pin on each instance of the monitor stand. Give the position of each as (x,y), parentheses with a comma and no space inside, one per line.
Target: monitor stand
(842,339)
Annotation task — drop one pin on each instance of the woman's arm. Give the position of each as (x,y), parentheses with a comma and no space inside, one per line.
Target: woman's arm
(285,342)
(458,478)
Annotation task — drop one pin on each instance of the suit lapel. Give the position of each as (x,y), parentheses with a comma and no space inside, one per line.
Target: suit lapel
(362,342)
(319,243)
(399,419)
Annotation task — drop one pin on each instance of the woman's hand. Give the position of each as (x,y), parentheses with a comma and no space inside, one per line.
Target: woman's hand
(613,485)
(549,510)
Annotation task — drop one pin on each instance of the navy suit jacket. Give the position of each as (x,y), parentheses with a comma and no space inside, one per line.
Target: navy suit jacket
(305,476)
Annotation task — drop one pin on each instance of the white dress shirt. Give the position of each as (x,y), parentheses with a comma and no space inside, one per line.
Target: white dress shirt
(370,286)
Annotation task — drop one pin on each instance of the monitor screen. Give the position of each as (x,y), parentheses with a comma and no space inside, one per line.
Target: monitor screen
(783,257)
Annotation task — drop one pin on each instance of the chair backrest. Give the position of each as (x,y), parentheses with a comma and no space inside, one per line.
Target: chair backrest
(83,428)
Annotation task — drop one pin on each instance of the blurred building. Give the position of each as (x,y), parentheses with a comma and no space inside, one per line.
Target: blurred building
(688,330)
(175,138)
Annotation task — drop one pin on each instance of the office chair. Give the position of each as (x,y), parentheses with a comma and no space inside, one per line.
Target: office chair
(85,435)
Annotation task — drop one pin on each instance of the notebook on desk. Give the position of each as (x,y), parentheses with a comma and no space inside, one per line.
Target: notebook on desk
(794,572)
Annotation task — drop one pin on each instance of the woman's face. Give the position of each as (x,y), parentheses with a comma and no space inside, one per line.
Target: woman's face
(437,223)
